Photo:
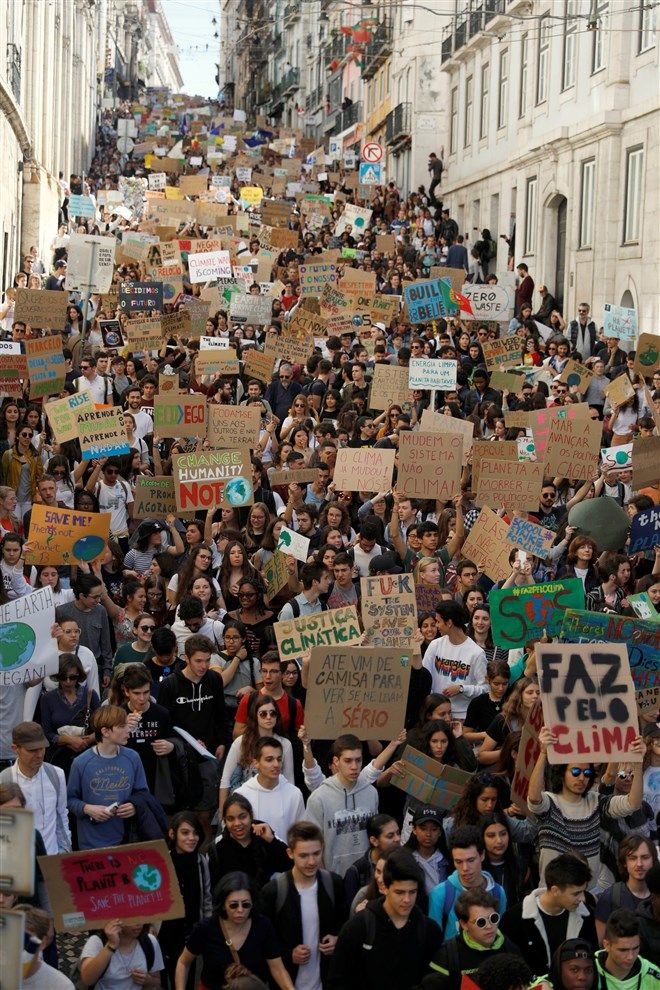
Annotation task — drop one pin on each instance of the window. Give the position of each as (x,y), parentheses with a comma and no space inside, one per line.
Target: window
(468,111)
(524,74)
(587,203)
(503,91)
(530,215)
(570,45)
(483,113)
(453,128)
(542,67)
(599,38)
(632,220)
(646,25)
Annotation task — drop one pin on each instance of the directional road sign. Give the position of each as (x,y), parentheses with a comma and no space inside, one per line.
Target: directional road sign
(372,152)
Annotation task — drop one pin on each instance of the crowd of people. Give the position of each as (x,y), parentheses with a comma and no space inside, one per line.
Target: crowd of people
(300,862)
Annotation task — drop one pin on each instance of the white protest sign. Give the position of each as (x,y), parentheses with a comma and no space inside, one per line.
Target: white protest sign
(293,543)
(209,265)
(208,343)
(488,302)
(157,181)
(27,649)
(432,373)
(90,263)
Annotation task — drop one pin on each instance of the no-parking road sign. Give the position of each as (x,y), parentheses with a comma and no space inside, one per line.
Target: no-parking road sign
(372,152)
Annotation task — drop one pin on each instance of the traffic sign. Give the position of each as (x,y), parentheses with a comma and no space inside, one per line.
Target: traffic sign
(372,152)
(125,145)
(371,175)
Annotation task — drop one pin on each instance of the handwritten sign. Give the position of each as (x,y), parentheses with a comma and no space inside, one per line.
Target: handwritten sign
(647,354)
(523,613)
(430,465)
(588,702)
(336,628)
(359,690)
(434,422)
(209,265)
(643,606)
(389,385)
(102,433)
(27,649)
(572,448)
(251,308)
(535,539)
(528,753)
(154,499)
(275,574)
(213,478)
(515,484)
(432,373)
(45,365)
(619,390)
(577,374)
(63,414)
(641,638)
(41,308)
(487,545)
(646,461)
(295,544)
(314,277)
(489,302)
(619,321)
(145,334)
(430,782)
(178,415)
(233,426)
(132,882)
(506,450)
(364,469)
(66,536)
(504,353)
(645,530)
(258,365)
(135,296)
(429,299)
(389,610)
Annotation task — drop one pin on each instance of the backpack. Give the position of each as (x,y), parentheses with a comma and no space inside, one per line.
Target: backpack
(370,929)
(147,947)
(283,888)
(295,607)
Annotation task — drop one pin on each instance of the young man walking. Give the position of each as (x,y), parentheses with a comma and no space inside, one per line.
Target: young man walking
(274,800)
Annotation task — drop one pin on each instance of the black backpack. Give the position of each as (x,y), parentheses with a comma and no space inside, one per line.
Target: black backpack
(295,607)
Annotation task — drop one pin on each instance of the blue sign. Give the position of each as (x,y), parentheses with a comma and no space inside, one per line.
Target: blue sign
(371,174)
(645,530)
(642,639)
(619,321)
(81,206)
(429,299)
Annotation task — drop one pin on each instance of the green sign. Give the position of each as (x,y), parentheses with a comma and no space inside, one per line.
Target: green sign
(523,613)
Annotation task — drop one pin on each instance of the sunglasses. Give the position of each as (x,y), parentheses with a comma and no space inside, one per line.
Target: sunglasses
(624,774)
(110,470)
(26,436)
(267,714)
(285,378)
(67,677)
(492,919)
(146,628)
(235,905)
(587,774)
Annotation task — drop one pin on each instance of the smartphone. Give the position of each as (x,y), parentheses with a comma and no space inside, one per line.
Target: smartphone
(522,556)
(113,807)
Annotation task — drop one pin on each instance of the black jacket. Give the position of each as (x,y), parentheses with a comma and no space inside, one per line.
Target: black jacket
(520,925)
(458,956)
(398,957)
(649,933)
(288,920)
(199,708)
(358,875)
(260,859)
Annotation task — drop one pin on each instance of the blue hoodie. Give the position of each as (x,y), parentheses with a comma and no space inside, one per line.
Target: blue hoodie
(443,898)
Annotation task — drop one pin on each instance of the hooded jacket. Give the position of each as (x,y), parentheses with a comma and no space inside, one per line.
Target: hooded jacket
(342,816)
(524,924)
(442,901)
(649,931)
(199,708)
(279,806)
(462,955)
(643,975)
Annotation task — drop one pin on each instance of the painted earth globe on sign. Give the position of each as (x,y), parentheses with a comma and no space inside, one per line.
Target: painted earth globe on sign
(238,491)
(17,645)
(146,877)
(88,548)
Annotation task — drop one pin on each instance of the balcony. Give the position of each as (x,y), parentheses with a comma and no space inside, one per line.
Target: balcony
(470,23)
(377,50)
(351,116)
(336,49)
(398,124)
(277,42)
(291,11)
(332,122)
(447,47)
(314,99)
(290,81)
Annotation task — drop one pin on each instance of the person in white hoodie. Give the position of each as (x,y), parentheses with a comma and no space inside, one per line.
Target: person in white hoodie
(342,805)
(274,800)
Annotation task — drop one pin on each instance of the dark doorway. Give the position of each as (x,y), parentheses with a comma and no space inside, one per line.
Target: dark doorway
(560,261)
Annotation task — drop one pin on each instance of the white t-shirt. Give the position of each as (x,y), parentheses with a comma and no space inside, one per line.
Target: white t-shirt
(362,559)
(309,975)
(117,975)
(47,978)
(462,666)
(115,499)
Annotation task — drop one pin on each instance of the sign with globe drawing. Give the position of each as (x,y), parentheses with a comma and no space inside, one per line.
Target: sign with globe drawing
(27,650)
(66,536)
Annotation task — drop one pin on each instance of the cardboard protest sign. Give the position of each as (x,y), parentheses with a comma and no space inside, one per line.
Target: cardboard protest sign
(41,308)
(488,302)
(288,476)
(355,280)
(619,321)
(251,308)
(535,539)
(528,753)
(506,352)
(514,484)
(193,185)
(386,243)
(588,702)
(293,543)
(337,627)
(66,536)
(427,781)
(209,265)
(180,415)
(63,414)
(430,465)
(433,422)
(389,610)
(641,638)
(455,275)
(355,217)
(168,383)
(645,530)
(487,545)
(647,354)
(578,374)
(506,450)
(132,882)
(136,296)
(643,607)
(258,365)
(304,323)
(145,334)
(359,690)
(27,649)
(429,299)
(233,426)
(524,612)
(511,381)
(572,448)
(647,703)
(90,263)
(275,213)
(154,499)
(217,361)
(619,390)
(212,478)
(389,385)
(45,365)
(13,368)
(17,862)
(314,277)
(432,373)
(364,469)
(646,462)
(289,348)
(102,433)
(275,574)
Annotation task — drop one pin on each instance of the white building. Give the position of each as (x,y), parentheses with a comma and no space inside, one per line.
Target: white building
(162,63)
(554,131)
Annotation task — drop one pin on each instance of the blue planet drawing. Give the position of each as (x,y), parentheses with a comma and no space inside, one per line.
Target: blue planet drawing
(238,491)
(573,378)
(88,547)
(17,645)
(147,878)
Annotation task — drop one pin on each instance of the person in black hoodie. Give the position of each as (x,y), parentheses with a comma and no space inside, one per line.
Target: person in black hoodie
(573,966)
(246,846)
(390,943)
(195,699)
(293,898)
(648,915)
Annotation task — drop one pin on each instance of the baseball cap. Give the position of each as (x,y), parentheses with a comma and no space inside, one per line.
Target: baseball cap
(427,814)
(29,735)
(575,948)
(385,562)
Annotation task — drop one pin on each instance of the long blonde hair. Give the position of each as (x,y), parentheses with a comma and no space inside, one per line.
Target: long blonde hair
(5,490)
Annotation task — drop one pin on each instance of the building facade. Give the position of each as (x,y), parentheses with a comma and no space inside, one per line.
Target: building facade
(553,139)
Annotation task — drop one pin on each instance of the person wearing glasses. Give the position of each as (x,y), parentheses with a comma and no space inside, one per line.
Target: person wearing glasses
(569,813)
(478,939)
(281,393)
(66,713)
(91,381)
(21,469)
(92,619)
(114,495)
(140,649)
